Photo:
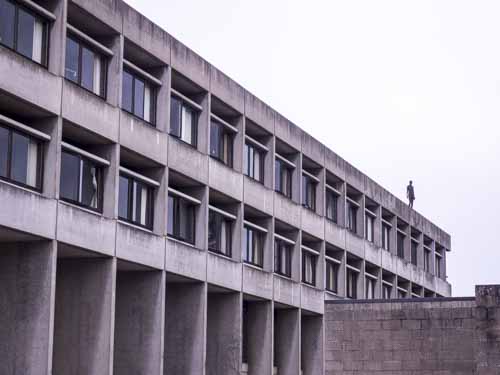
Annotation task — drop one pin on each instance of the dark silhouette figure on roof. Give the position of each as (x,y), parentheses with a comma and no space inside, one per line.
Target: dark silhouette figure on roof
(410,194)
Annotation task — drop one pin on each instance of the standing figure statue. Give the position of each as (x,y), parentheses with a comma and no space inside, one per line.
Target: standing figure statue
(410,194)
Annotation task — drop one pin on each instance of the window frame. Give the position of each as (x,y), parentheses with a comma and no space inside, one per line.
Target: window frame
(369,223)
(335,267)
(226,136)
(309,185)
(196,113)
(386,237)
(314,260)
(229,234)
(400,251)
(44,20)
(352,279)
(332,199)
(248,253)
(414,252)
(248,146)
(289,176)
(130,202)
(154,96)
(175,218)
(280,246)
(352,225)
(40,159)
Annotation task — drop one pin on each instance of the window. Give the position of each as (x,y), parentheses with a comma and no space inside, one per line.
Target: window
(352,212)
(386,237)
(254,162)
(138,97)
(402,293)
(438,266)
(352,284)
(369,288)
(253,248)
(283,258)
(308,192)
(386,291)
(414,256)
(135,202)
(283,177)
(80,180)
(308,267)
(181,219)
(401,245)
(332,275)
(85,67)
(183,121)
(331,205)
(23,31)
(427,260)
(369,226)
(219,233)
(20,158)
(221,143)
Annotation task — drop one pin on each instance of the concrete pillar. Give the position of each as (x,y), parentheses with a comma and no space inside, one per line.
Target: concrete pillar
(487,339)
(138,322)
(26,307)
(83,316)
(223,334)
(259,337)
(312,343)
(185,312)
(287,341)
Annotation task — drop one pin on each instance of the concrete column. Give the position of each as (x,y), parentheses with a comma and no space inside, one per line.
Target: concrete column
(287,341)
(185,328)
(312,344)
(57,41)
(138,322)
(223,334)
(163,100)
(487,339)
(83,316)
(51,156)
(111,184)
(26,307)
(259,337)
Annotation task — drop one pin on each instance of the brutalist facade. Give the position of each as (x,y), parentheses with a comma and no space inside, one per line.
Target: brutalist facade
(157,218)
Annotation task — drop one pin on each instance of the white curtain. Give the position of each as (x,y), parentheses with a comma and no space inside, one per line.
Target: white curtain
(147,102)
(31,170)
(187,121)
(37,41)
(97,75)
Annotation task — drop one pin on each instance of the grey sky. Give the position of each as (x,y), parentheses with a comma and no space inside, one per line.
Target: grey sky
(401,89)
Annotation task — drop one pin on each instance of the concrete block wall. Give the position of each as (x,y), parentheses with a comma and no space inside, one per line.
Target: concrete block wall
(421,336)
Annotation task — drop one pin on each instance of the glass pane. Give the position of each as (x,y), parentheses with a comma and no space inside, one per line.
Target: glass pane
(170,215)
(139,98)
(175,117)
(186,221)
(19,163)
(88,69)
(246,157)
(187,123)
(277,175)
(7,14)
(123,198)
(213,224)
(215,131)
(72,58)
(70,176)
(90,185)
(4,150)
(127,91)
(25,30)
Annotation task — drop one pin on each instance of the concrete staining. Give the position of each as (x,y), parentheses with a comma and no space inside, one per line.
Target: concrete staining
(82,292)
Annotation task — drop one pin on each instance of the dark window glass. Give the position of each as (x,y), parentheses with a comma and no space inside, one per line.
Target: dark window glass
(123,197)
(401,245)
(219,234)
(170,215)
(90,184)
(283,178)
(138,97)
(19,165)
(127,92)
(369,227)
(215,131)
(88,69)
(25,29)
(331,206)
(175,116)
(70,175)
(386,289)
(4,151)
(7,17)
(386,230)
(414,248)
(72,60)
(352,222)
(254,247)
(183,121)
(308,268)
(181,219)
(282,258)
(221,143)
(308,192)
(253,163)
(352,284)
(332,276)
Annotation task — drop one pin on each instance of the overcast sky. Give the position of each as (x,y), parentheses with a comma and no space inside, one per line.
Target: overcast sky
(401,89)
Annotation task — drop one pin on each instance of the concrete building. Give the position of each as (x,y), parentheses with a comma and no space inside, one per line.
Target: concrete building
(157,218)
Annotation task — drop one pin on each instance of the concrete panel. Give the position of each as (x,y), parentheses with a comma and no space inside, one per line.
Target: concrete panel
(286,210)
(224,272)
(142,138)
(143,32)
(225,180)
(188,161)
(354,244)
(334,164)
(190,64)
(335,234)
(286,291)
(258,196)
(442,287)
(85,229)
(26,294)
(185,260)
(354,177)
(287,341)
(139,246)
(259,112)
(312,299)
(223,334)
(83,316)
(312,223)
(27,211)
(185,312)
(288,132)
(403,268)
(257,282)
(89,111)
(138,323)
(389,262)
(259,338)
(373,254)
(313,149)
(106,11)
(227,90)
(312,343)
(29,81)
